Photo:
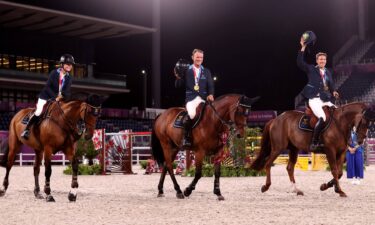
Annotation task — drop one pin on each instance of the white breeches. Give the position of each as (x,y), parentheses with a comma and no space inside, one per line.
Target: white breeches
(39,106)
(192,106)
(316,105)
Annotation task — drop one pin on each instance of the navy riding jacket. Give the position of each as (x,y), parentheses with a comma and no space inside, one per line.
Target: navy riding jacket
(51,90)
(315,86)
(206,84)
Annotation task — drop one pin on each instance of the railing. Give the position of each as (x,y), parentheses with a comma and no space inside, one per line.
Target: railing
(23,158)
(145,139)
(137,156)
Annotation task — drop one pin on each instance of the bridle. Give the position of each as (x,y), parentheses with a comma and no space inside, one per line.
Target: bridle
(94,110)
(77,130)
(360,124)
(229,123)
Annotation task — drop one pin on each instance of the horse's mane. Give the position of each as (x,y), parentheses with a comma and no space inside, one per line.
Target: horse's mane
(227,95)
(353,103)
(94,100)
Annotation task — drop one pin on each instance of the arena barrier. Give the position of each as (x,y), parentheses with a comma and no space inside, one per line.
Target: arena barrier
(119,151)
(318,161)
(27,155)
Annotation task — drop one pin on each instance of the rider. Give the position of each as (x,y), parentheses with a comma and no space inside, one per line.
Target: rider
(319,90)
(57,87)
(199,87)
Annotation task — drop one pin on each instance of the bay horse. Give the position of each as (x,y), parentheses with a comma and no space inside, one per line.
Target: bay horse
(283,133)
(58,131)
(226,111)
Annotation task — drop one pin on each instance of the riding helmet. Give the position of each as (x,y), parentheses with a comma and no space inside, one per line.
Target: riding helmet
(67,59)
(309,37)
(181,66)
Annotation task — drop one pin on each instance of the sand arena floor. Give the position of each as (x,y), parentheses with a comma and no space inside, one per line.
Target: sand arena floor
(131,199)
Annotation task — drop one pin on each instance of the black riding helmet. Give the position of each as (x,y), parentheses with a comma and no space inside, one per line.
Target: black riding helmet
(309,38)
(181,66)
(67,59)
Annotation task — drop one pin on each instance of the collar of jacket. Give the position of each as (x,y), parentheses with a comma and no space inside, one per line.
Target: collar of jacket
(317,67)
(66,74)
(191,67)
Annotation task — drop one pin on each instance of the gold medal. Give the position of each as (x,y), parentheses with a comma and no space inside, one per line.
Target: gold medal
(326,88)
(196,87)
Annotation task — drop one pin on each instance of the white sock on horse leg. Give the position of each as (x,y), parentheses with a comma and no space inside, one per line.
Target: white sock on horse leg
(74,191)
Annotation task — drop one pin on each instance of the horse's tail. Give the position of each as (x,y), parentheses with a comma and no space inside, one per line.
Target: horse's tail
(5,146)
(265,149)
(157,150)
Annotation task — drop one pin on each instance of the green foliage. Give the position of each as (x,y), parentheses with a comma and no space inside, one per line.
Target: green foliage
(80,149)
(208,170)
(87,149)
(84,170)
(143,164)
(243,148)
(226,171)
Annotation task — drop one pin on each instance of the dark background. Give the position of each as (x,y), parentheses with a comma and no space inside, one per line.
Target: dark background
(249,45)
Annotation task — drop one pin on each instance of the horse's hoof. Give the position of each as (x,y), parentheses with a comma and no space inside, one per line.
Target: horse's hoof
(187,192)
(160,195)
(50,198)
(220,198)
(2,193)
(180,196)
(342,194)
(72,197)
(38,196)
(300,193)
(264,188)
(323,187)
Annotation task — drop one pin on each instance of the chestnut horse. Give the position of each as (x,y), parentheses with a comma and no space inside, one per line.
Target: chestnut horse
(57,132)
(283,133)
(228,110)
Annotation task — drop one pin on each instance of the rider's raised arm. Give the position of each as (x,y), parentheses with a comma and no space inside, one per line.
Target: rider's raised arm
(179,83)
(301,63)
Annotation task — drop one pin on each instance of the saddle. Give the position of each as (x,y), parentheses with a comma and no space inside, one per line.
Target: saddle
(308,119)
(43,115)
(183,116)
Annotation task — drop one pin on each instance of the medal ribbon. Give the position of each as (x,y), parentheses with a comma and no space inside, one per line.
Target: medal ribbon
(196,76)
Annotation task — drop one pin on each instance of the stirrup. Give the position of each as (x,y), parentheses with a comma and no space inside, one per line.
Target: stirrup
(186,143)
(316,147)
(25,134)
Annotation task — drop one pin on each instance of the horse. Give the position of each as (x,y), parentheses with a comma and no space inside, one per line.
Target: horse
(225,112)
(58,131)
(283,133)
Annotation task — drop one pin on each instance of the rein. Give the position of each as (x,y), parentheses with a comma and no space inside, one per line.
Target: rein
(228,123)
(75,132)
(72,127)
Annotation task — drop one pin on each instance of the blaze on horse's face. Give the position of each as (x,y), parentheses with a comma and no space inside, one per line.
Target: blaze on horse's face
(241,113)
(240,120)
(90,115)
(361,123)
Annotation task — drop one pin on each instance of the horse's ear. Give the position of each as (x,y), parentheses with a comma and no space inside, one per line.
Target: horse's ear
(249,101)
(255,99)
(96,100)
(80,96)
(369,114)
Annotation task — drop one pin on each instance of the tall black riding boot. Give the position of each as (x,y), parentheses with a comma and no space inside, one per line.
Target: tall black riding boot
(315,142)
(26,133)
(186,143)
